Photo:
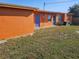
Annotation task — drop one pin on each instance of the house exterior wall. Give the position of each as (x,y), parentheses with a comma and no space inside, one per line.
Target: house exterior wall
(15,22)
(44,19)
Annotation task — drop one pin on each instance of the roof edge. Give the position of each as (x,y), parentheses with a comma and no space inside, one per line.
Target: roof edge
(17,6)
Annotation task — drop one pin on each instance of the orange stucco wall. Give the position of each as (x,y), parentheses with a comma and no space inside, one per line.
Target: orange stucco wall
(44,21)
(15,22)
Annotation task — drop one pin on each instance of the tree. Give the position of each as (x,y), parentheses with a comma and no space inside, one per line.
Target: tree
(75,10)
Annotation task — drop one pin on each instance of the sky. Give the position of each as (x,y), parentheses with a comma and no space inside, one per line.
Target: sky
(63,7)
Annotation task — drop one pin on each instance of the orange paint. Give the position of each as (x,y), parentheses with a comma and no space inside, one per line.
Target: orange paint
(15,22)
(18,20)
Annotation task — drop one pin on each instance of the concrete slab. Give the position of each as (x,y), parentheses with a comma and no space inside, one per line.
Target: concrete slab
(3,41)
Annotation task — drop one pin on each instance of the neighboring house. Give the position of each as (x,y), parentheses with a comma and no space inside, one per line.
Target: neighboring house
(20,20)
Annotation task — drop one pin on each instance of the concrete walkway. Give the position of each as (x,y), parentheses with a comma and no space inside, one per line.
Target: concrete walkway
(3,41)
(77,31)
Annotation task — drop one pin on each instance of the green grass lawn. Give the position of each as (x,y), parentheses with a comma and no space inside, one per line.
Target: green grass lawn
(51,43)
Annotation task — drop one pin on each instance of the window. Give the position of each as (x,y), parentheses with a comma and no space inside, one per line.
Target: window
(60,20)
(49,18)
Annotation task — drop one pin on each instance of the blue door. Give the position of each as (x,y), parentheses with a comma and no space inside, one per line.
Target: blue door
(54,20)
(37,21)
(60,20)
